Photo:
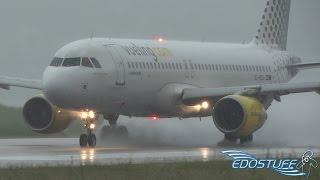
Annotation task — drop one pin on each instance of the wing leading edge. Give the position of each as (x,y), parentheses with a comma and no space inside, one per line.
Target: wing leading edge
(7,82)
(277,90)
(305,65)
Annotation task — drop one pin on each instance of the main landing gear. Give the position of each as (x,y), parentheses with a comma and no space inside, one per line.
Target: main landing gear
(89,139)
(233,141)
(113,130)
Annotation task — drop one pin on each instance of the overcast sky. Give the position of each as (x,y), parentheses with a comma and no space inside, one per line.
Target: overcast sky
(31,31)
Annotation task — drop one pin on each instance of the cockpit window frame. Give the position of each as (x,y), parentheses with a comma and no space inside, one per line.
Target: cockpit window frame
(56,62)
(61,62)
(72,62)
(89,65)
(95,62)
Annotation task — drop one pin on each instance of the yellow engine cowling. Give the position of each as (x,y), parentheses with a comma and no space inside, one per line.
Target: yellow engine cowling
(44,118)
(239,116)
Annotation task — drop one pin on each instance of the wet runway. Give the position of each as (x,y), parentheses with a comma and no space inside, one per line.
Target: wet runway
(66,151)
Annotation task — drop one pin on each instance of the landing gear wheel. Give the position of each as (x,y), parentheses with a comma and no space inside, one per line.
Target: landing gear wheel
(105,132)
(92,140)
(112,119)
(228,141)
(122,132)
(247,139)
(115,133)
(83,140)
(231,138)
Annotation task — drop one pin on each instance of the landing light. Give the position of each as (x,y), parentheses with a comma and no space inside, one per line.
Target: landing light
(205,105)
(197,107)
(92,126)
(91,114)
(87,114)
(84,115)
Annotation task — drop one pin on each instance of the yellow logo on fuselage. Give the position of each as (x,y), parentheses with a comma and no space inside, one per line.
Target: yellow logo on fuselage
(154,52)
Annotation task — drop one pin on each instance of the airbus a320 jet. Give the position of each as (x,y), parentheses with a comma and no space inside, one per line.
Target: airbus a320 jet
(233,83)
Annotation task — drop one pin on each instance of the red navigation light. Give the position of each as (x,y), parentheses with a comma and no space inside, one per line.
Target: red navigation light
(159,39)
(154,118)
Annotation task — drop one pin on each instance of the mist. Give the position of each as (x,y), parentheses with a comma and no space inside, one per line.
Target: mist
(31,31)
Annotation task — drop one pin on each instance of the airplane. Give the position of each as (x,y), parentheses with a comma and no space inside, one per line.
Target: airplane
(233,83)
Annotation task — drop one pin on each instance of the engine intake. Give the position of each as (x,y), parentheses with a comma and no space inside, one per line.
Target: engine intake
(238,115)
(45,118)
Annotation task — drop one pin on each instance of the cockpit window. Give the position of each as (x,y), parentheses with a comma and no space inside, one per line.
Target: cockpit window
(71,62)
(86,62)
(56,61)
(95,62)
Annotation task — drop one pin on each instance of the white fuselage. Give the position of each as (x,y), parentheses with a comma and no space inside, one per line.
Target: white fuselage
(145,77)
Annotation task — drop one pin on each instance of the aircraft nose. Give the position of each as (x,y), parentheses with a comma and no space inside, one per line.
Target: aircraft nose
(60,88)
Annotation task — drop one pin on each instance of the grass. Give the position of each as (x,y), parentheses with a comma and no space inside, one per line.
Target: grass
(12,125)
(220,170)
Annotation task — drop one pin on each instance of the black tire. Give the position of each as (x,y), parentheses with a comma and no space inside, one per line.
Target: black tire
(92,140)
(122,132)
(106,132)
(112,117)
(230,138)
(83,140)
(246,139)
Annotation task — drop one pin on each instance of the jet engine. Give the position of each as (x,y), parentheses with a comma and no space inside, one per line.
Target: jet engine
(45,118)
(239,116)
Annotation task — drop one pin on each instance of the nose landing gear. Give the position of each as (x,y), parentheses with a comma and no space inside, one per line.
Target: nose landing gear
(89,139)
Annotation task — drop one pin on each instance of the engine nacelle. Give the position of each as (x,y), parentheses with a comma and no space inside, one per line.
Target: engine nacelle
(239,116)
(45,118)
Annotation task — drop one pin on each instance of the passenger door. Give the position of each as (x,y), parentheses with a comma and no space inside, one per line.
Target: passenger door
(186,68)
(192,73)
(119,64)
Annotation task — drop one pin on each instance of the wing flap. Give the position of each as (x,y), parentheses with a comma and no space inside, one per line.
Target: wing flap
(7,82)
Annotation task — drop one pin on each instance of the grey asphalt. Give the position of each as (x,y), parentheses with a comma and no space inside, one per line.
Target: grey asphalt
(66,151)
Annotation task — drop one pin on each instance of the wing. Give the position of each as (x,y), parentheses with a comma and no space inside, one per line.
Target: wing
(308,65)
(7,82)
(194,94)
